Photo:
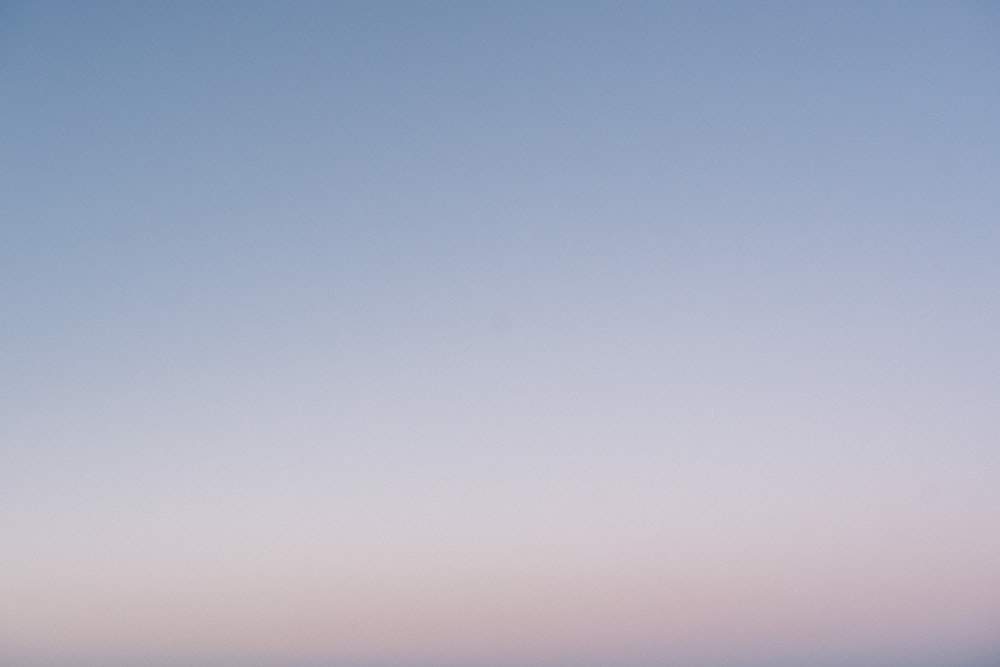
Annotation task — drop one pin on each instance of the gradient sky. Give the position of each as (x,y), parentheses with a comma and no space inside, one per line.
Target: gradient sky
(500,333)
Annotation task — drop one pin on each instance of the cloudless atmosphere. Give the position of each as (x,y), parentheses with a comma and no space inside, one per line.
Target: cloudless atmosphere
(500,334)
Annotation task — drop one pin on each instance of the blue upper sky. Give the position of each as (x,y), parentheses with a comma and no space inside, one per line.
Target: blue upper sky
(592,298)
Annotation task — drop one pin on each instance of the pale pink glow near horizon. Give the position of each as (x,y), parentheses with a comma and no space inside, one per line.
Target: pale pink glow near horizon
(416,598)
(443,620)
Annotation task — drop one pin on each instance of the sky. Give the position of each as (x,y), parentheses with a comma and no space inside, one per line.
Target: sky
(499,334)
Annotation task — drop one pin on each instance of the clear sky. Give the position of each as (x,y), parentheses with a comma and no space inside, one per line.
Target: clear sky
(509,333)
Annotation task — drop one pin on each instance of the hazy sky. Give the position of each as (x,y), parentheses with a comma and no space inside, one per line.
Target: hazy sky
(500,333)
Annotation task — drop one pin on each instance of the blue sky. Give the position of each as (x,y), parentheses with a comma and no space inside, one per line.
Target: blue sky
(496,332)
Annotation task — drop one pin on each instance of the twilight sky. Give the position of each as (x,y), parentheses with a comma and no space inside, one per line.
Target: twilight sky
(508,333)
